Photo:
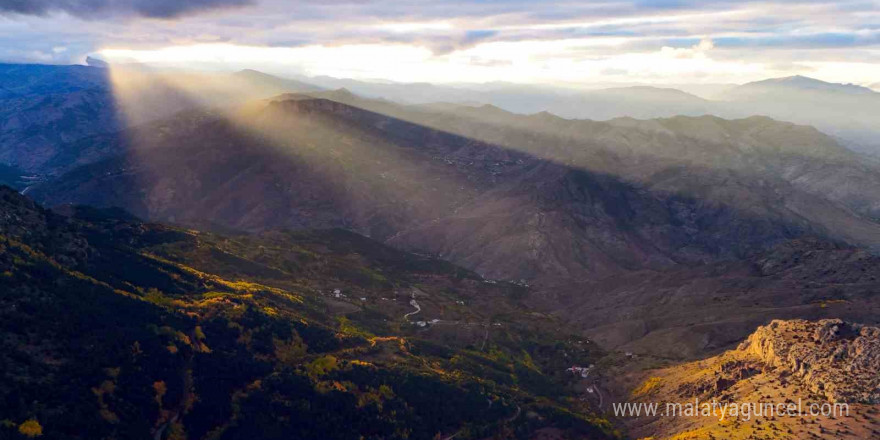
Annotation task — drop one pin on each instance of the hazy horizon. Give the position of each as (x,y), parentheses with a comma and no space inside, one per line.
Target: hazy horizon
(561,44)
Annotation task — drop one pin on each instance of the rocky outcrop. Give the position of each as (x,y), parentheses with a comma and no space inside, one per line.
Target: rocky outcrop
(835,359)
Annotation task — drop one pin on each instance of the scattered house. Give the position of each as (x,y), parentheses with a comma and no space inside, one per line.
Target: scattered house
(461,303)
(420,323)
(583,372)
(363,298)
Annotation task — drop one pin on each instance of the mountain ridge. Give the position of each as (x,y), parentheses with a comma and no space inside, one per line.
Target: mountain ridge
(482,196)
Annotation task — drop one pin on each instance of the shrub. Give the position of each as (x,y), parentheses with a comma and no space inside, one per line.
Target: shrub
(31,428)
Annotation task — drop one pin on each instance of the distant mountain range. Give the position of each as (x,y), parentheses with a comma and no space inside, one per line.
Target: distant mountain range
(31,94)
(796,83)
(844,110)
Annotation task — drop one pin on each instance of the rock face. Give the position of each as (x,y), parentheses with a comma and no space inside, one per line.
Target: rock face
(834,358)
(808,362)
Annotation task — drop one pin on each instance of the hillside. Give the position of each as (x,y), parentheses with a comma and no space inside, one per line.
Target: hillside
(689,313)
(146,331)
(342,166)
(44,108)
(606,220)
(845,110)
(786,362)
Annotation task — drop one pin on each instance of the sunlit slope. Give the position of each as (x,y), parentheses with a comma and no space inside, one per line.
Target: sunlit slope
(145,331)
(827,362)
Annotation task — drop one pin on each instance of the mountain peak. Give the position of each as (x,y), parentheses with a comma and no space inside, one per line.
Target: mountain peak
(95,62)
(806,83)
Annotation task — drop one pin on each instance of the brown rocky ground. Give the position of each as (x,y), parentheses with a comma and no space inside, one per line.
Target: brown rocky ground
(796,362)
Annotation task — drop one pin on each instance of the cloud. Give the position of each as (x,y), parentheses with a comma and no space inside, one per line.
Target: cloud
(103,8)
(729,40)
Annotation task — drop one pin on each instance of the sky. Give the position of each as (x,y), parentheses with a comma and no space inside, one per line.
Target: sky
(559,42)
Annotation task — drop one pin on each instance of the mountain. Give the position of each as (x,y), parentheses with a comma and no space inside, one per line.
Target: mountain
(584,211)
(43,108)
(844,110)
(674,154)
(321,163)
(798,83)
(606,220)
(637,101)
(797,99)
(20,80)
(134,330)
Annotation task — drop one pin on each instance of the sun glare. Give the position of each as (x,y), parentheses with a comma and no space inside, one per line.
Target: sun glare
(573,61)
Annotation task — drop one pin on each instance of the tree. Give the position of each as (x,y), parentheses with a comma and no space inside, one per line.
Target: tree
(321,366)
(160,388)
(31,428)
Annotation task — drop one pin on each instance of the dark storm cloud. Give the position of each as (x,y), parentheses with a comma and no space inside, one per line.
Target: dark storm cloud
(92,8)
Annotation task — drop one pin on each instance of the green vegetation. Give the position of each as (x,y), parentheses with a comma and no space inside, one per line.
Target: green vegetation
(115,329)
